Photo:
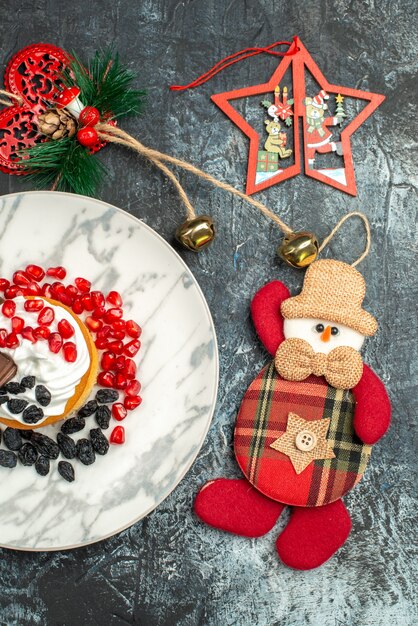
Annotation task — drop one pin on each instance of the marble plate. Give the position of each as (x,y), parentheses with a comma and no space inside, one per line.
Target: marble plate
(178,369)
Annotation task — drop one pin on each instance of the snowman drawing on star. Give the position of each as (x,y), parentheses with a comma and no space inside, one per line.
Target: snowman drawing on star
(307,423)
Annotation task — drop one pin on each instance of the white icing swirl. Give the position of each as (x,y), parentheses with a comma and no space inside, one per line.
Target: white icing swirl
(59,376)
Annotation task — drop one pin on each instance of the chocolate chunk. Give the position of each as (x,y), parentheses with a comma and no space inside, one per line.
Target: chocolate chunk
(8,368)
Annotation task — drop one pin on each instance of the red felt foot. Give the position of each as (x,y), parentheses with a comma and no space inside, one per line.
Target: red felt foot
(313,535)
(235,506)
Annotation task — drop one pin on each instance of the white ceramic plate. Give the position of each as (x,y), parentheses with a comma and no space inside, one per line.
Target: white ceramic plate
(178,369)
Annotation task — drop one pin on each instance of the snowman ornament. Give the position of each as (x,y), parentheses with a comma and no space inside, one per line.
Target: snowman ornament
(307,423)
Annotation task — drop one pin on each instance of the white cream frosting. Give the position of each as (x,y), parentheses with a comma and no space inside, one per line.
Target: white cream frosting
(59,376)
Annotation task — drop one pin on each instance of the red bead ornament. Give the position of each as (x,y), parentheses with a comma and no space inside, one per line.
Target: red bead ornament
(106,379)
(117,435)
(132,347)
(12,341)
(83,284)
(131,402)
(70,351)
(89,116)
(8,308)
(34,305)
(130,369)
(55,342)
(114,297)
(21,278)
(3,337)
(13,291)
(4,283)
(42,332)
(133,388)
(28,333)
(87,137)
(65,329)
(46,316)
(18,324)
(57,272)
(35,272)
(133,329)
(119,412)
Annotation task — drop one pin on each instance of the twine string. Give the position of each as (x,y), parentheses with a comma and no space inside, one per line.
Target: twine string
(11,96)
(338,226)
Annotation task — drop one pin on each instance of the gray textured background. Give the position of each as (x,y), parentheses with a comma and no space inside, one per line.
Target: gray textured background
(169,569)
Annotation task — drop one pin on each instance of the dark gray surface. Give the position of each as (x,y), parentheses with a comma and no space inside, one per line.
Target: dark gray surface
(170,569)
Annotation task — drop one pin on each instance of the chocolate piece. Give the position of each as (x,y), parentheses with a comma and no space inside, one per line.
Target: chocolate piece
(8,368)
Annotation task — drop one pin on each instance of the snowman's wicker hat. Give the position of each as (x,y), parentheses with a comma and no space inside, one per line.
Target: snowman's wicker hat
(333,291)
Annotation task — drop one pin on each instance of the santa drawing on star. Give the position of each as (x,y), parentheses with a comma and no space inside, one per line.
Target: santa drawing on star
(307,423)
(318,136)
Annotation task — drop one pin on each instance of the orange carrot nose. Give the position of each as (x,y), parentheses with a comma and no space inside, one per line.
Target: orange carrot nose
(326,335)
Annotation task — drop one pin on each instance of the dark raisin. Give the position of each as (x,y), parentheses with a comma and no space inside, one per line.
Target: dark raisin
(73,425)
(32,414)
(88,409)
(66,445)
(66,470)
(27,454)
(85,452)
(7,458)
(107,396)
(103,416)
(1,432)
(45,445)
(42,395)
(14,388)
(2,391)
(4,399)
(42,465)
(28,382)
(12,439)
(98,441)
(16,406)
(26,433)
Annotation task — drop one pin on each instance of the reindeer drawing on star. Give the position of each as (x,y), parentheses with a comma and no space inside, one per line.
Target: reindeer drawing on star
(319,137)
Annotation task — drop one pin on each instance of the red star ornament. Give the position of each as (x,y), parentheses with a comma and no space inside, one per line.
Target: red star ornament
(316,139)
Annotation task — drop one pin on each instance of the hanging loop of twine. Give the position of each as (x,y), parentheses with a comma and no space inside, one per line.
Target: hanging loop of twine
(337,228)
(11,97)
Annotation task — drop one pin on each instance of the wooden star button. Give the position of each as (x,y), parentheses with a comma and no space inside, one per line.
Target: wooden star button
(303,441)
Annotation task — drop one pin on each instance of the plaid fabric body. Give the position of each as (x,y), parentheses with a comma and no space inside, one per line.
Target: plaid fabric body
(262,418)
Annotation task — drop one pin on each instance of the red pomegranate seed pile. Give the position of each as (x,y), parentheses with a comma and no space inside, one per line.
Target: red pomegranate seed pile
(103,316)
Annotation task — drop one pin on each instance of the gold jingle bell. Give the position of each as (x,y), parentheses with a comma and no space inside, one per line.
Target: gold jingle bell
(299,249)
(197,233)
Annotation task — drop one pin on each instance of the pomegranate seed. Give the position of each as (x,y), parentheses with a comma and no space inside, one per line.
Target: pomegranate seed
(130,369)
(87,303)
(57,289)
(113,297)
(13,291)
(97,298)
(105,331)
(93,324)
(70,351)
(132,347)
(35,272)
(58,272)
(3,337)
(83,284)
(113,315)
(46,290)
(28,333)
(131,402)
(72,292)
(115,346)
(98,312)
(117,435)
(55,342)
(133,388)
(78,306)
(106,379)
(4,283)
(133,329)
(119,412)
(8,308)
(119,326)
(118,334)
(21,278)
(34,305)
(101,343)
(120,363)
(12,341)
(65,329)
(46,316)
(18,324)
(33,289)
(42,332)
(108,360)
(120,381)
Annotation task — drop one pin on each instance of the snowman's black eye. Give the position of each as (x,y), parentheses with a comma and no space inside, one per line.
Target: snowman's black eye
(335,331)
(319,328)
